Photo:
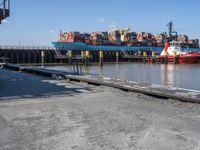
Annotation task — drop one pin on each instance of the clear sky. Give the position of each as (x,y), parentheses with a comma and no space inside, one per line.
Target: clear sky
(38,22)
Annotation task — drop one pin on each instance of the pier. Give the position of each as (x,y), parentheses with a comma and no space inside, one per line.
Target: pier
(181,94)
(45,55)
(94,75)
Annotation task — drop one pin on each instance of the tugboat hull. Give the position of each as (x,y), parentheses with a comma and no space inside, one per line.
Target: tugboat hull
(191,58)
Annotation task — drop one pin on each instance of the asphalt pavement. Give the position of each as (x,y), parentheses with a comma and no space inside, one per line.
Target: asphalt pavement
(39,113)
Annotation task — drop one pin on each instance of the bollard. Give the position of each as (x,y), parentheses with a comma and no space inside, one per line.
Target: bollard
(101,58)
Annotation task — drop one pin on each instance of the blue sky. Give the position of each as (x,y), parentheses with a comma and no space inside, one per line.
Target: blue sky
(38,22)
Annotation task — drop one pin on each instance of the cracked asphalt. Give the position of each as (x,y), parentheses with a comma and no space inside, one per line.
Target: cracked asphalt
(38,113)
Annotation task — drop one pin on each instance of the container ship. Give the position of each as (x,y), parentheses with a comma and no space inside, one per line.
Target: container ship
(121,39)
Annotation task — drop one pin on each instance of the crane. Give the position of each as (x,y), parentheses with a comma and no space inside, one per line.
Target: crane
(4,9)
(4,13)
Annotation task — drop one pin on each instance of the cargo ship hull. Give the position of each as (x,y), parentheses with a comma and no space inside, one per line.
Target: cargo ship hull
(82,46)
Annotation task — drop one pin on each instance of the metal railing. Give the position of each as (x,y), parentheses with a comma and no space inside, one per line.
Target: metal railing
(6,47)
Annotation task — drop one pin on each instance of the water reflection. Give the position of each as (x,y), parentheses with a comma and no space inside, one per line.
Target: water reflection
(184,76)
(168,74)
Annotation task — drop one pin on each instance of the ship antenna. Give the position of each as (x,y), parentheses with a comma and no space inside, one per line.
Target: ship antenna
(170,29)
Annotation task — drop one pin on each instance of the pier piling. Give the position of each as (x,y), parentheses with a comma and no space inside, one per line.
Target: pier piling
(87,57)
(69,56)
(117,57)
(153,56)
(42,57)
(83,54)
(145,57)
(101,58)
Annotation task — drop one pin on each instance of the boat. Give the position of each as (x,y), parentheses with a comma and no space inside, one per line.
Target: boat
(173,53)
(123,40)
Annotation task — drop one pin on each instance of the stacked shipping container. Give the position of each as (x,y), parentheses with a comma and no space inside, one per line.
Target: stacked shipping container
(105,38)
(71,37)
(96,38)
(125,37)
(114,37)
(132,38)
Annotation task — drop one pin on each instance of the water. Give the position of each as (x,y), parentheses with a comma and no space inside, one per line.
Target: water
(181,75)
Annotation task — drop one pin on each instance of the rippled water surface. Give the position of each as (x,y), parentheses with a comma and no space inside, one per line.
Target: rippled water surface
(184,76)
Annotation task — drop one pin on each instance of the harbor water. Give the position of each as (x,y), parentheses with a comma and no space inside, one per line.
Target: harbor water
(184,76)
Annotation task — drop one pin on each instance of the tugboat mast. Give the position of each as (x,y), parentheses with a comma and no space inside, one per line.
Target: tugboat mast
(172,35)
(170,29)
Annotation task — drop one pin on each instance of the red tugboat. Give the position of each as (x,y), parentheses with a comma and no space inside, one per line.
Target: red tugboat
(174,54)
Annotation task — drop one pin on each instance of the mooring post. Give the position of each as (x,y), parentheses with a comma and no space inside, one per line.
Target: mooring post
(70,56)
(100,58)
(42,57)
(144,56)
(153,56)
(87,57)
(83,56)
(117,57)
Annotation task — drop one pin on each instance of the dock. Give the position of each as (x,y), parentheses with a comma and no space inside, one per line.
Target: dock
(181,94)
(37,55)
